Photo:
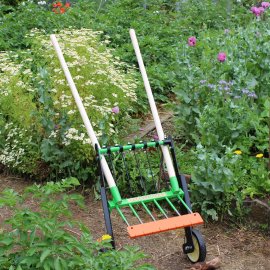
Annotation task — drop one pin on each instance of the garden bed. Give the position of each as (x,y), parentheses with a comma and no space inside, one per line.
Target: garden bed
(239,248)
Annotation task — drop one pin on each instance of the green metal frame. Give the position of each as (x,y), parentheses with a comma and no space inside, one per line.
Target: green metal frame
(175,193)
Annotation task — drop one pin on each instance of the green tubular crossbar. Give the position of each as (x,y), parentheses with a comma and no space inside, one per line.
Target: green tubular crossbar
(146,199)
(103,151)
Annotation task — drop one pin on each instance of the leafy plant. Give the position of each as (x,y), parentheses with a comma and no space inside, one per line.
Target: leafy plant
(45,238)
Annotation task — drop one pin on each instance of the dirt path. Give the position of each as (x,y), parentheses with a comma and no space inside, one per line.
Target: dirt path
(239,249)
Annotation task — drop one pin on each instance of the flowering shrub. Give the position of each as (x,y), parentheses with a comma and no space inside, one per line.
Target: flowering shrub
(223,108)
(43,112)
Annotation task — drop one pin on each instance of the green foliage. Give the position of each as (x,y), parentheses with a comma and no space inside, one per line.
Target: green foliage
(167,25)
(224,106)
(17,24)
(12,2)
(42,238)
(213,183)
(38,107)
(221,106)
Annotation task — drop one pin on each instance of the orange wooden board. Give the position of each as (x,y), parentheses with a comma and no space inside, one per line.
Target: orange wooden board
(164,225)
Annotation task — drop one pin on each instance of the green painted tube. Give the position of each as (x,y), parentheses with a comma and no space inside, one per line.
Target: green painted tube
(174,184)
(116,194)
(129,147)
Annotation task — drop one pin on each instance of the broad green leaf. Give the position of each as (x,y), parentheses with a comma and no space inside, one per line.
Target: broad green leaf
(57,265)
(45,254)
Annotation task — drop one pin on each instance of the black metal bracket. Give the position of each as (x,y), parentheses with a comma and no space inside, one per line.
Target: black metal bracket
(188,247)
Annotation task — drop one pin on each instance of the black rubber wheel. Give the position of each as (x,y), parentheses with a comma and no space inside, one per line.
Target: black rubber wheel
(199,253)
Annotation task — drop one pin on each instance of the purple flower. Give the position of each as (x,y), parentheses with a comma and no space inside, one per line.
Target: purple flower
(252,95)
(115,110)
(222,82)
(221,57)
(245,91)
(265,4)
(226,31)
(226,88)
(211,85)
(192,41)
(257,11)
(202,81)
(155,137)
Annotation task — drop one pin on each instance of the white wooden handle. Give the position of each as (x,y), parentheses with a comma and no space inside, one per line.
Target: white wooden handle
(165,150)
(82,110)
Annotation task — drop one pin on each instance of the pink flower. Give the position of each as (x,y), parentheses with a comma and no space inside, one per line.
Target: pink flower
(261,9)
(155,137)
(265,4)
(115,110)
(257,11)
(221,57)
(192,41)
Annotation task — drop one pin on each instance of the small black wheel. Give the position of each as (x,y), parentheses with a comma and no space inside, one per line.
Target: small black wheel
(199,253)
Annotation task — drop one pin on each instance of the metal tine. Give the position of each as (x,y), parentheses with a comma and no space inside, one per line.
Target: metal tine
(148,211)
(150,167)
(139,168)
(160,157)
(183,202)
(127,172)
(160,208)
(172,206)
(111,165)
(134,212)
(122,215)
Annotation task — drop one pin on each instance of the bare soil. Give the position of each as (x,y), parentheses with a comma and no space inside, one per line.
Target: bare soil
(239,248)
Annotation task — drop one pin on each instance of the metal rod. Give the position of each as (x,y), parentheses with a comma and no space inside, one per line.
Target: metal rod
(135,213)
(148,211)
(150,167)
(111,165)
(140,171)
(125,167)
(122,215)
(172,206)
(160,208)
(182,201)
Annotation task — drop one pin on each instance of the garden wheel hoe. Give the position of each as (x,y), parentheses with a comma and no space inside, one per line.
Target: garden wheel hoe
(154,212)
